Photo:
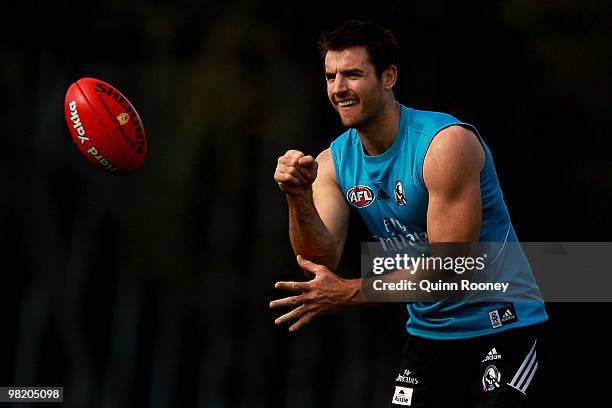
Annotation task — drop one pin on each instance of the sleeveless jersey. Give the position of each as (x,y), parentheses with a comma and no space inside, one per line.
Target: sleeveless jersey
(389,193)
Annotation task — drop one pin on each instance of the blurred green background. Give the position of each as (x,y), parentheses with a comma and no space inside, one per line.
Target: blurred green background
(153,289)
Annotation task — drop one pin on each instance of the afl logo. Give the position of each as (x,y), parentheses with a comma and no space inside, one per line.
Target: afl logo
(360,196)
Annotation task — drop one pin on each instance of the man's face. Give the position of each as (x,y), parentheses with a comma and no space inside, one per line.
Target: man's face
(353,87)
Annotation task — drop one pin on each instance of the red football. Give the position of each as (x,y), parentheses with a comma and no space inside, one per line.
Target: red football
(105,126)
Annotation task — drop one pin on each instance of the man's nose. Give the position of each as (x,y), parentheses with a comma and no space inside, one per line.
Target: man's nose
(340,85)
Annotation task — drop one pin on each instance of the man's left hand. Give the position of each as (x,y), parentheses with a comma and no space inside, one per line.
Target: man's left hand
(326,293)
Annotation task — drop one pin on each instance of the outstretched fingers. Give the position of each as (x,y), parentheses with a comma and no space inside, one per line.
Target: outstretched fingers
(304,315)
(306,318)
(293,286)
(292,315)
(286,302)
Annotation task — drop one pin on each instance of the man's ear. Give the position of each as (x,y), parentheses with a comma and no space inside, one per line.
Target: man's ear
(389,77)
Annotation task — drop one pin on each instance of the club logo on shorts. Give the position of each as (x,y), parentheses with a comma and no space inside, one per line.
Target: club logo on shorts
(402,396)
(360,196)
(491,378)
(400,196)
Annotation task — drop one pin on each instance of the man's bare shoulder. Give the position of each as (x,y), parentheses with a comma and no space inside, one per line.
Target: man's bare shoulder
(455,140)
(326,162)
(327,171)
(456,143)
(325,157)
(453,154)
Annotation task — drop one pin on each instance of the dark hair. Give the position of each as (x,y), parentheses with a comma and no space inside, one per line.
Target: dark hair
(380,43)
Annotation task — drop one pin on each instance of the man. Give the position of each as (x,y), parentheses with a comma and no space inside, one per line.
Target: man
(435,182)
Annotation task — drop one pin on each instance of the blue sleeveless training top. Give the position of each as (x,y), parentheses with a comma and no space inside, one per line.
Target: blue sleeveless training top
(389,192)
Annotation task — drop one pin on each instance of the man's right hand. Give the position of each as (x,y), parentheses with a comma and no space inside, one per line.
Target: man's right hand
(295,173)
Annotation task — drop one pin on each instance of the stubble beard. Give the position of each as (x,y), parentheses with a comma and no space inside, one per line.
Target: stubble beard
(367,119)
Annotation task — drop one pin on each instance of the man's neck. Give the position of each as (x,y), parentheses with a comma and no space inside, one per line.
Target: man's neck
(378,136)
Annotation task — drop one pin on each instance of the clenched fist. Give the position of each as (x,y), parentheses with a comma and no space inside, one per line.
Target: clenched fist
(295,173)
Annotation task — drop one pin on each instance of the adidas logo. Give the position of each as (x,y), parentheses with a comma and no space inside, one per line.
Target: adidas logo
(507,316)
(503,316)
(382,195)
(492,355)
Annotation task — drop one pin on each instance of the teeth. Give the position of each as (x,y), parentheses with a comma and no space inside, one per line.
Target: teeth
(347,102)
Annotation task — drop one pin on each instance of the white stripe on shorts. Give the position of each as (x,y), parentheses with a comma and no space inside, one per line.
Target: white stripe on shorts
(528,368)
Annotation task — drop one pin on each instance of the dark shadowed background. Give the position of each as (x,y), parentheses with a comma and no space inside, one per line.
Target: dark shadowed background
(153,289)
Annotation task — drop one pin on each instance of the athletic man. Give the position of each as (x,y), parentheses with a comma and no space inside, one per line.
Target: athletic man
(414,177)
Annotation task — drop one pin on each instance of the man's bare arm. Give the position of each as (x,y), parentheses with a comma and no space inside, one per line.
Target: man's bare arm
(451,170)
(318,214)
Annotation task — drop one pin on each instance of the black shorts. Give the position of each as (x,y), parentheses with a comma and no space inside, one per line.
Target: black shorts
(497,370)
